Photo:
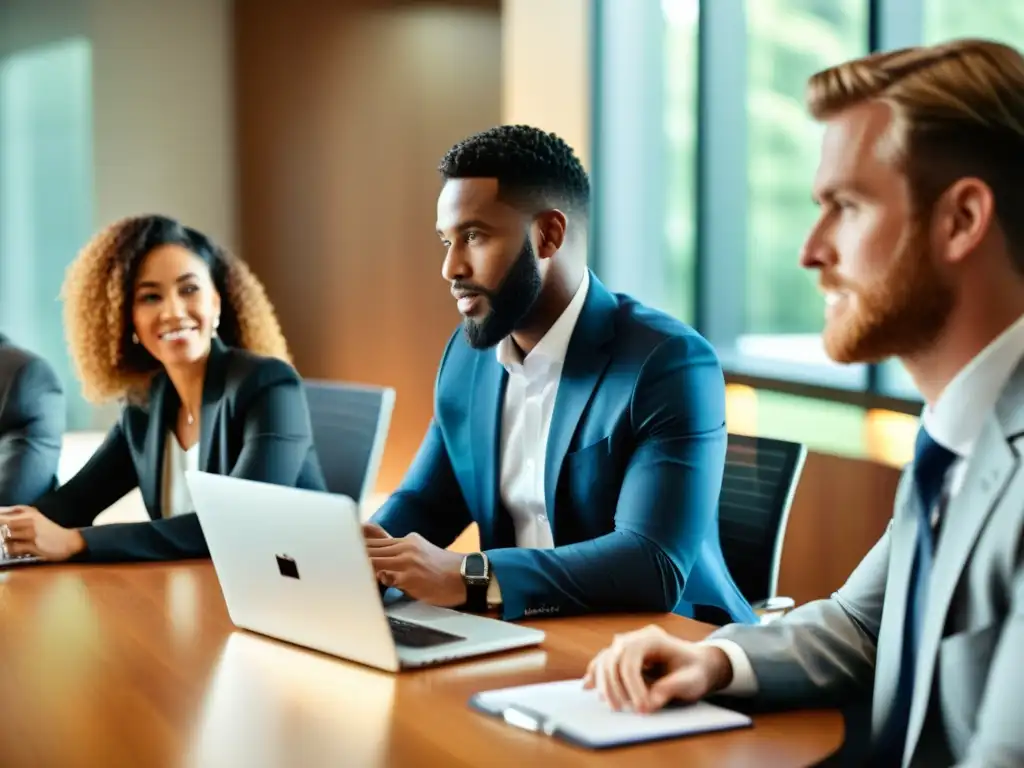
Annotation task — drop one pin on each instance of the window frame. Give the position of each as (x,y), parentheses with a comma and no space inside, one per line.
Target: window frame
(627,106)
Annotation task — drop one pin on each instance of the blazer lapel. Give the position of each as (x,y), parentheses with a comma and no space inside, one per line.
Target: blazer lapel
(213,395)
(585,361)
(161,399)
(488,392)
(991,466)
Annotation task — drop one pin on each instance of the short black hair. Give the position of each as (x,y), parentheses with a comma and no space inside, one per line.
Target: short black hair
(533,167)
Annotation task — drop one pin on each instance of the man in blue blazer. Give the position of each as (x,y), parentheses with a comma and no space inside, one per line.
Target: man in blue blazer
(583,432)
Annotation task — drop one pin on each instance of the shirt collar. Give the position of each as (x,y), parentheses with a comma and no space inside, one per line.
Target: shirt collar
(553,346)
(958,416)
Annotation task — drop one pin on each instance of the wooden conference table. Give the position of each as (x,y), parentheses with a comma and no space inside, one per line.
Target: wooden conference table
(139,665)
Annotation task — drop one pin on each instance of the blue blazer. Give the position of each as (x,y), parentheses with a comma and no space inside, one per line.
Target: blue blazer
(635,457)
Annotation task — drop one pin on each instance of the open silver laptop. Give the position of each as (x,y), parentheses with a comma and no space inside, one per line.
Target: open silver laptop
(292,564)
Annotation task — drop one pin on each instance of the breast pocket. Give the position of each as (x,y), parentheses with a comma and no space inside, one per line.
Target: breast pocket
(593,481)
(963,667)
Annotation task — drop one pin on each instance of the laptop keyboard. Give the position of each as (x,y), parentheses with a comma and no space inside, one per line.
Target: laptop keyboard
(418,636)
(15,559)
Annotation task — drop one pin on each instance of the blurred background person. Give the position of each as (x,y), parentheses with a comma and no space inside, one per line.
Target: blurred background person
(32,422)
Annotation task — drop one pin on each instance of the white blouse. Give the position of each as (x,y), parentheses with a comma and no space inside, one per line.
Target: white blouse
(176,499)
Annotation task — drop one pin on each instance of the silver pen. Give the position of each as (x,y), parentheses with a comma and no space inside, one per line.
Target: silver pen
(521,717)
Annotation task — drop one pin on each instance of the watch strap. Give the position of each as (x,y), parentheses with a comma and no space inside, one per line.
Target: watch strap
(476,587)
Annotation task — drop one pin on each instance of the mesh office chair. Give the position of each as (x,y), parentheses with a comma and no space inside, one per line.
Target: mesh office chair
(761,476)
(350,428)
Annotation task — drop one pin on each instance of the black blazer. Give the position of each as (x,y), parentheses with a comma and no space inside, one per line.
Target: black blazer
(32,421)
(255,424)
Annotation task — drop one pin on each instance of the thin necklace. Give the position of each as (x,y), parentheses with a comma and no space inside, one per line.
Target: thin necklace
(191,421)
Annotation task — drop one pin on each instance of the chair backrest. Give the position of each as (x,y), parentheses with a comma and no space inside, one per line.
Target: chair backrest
(350,428)
(761,476)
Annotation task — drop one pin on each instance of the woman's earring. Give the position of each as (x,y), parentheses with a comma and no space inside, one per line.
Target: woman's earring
(135,338)
(216,324)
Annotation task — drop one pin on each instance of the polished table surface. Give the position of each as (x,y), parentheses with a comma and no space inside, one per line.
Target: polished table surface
(139,665)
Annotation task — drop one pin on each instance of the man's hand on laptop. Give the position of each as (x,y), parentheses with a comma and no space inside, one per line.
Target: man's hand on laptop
(26,531)
(415,566)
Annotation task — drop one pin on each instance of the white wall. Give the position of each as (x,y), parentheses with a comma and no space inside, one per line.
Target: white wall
(107,109)
(28,23)
(164,106)
(162,101)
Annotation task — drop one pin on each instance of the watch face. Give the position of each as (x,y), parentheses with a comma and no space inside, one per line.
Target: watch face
(475,567)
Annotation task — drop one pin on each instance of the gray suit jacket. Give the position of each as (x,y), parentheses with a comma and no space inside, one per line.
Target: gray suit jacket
(32,421)
(968,704)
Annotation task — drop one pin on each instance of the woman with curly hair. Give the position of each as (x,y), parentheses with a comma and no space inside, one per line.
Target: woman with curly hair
(183,334)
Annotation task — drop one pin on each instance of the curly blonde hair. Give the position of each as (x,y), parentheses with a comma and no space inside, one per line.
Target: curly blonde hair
(97,291)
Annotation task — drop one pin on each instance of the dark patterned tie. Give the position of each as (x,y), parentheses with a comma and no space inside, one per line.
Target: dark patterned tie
(931,462)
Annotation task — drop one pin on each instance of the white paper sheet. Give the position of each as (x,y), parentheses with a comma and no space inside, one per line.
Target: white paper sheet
(579,714)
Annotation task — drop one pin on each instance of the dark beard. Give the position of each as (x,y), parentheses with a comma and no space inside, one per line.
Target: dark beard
(510,304)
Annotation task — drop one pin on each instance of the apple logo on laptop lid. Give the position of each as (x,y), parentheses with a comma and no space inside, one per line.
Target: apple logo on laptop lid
(287,566)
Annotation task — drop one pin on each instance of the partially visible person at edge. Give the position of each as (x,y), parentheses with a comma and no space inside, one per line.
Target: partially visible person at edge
(920,252)
(582,431)
(181,331)
(32,421)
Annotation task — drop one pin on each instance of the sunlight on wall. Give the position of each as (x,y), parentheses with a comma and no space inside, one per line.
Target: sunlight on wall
(890,436)
(741,409)
(543,42)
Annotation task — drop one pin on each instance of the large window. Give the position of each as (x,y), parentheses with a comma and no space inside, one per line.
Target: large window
(944,20)
(787,41)
(704,157)
(45,196)
(680,118)
(994,19)
(756,155)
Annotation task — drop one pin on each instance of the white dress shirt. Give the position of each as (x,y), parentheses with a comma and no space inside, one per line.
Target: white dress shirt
(176,499)
(525,423)
(955,422)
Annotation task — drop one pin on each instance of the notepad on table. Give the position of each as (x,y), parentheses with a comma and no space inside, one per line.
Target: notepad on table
(566,710)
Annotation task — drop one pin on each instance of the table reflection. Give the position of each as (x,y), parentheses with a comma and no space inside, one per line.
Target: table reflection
(515,663)
(272,704)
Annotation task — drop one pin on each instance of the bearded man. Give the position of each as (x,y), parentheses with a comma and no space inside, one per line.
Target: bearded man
(583,432)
